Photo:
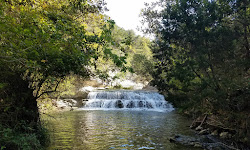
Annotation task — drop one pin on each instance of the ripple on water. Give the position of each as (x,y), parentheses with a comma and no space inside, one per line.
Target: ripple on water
(102,130)
(144,147)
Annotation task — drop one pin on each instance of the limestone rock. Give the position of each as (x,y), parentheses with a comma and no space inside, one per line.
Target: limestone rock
(61,104)
(65,103)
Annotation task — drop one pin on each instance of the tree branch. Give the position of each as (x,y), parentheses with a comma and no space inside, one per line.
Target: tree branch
(47,92)
(200,76)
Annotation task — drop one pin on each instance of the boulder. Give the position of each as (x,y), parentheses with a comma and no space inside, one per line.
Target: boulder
(184,140)
(119,104)
(79,95)
(204,141)
(65,103)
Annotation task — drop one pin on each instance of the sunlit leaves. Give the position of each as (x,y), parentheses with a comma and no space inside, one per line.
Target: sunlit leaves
(54,38)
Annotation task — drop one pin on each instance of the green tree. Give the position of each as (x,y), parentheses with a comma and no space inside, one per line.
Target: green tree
(196,38)
(201,50)
(136,50)
(41,42)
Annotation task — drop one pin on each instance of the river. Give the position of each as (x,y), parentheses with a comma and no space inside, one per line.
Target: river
(117,120)
(115,129)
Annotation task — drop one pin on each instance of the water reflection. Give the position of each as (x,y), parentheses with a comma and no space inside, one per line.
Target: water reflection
(101,130)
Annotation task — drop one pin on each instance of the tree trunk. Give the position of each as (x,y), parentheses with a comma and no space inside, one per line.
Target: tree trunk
(22,104)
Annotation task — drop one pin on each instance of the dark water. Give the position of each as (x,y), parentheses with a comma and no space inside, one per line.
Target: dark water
(103,130)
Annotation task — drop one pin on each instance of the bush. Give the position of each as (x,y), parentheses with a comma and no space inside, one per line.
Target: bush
(13,139)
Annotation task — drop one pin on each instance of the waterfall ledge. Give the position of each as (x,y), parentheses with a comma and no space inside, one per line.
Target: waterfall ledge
(127,100)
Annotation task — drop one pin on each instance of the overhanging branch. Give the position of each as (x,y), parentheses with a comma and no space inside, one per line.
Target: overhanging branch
(47,92)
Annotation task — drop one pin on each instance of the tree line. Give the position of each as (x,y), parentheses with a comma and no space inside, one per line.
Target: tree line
(41,42)
(202,53)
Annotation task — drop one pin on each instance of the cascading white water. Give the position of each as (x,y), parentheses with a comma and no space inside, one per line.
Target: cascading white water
(122,99)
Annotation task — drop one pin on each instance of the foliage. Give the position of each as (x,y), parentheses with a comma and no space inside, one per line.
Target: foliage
(138,55)
(41,42)
(202,54)
(142,66)
(46,44)
(28,140)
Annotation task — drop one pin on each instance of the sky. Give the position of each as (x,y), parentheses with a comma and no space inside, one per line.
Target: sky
(126,13)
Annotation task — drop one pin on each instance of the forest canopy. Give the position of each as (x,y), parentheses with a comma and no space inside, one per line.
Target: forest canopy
(202,56)
(41,42)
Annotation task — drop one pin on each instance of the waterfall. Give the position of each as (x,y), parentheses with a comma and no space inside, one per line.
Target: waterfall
(121,99)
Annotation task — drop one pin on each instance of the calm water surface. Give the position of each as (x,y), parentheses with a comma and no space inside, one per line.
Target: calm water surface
(114,129)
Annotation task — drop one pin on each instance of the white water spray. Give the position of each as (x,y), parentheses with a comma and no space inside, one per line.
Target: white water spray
(121,99)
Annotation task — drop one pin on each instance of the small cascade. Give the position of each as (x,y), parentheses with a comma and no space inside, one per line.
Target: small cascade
(122,99)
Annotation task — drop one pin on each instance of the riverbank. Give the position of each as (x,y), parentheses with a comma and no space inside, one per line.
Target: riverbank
(212,134)
(225,122)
